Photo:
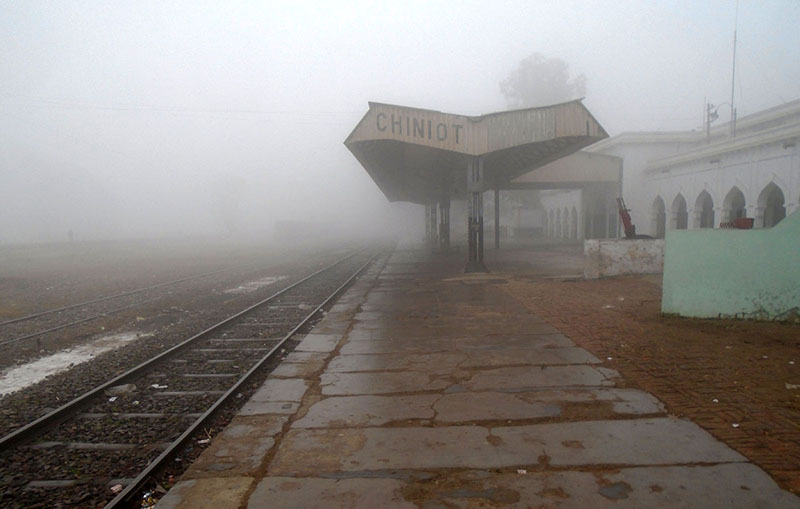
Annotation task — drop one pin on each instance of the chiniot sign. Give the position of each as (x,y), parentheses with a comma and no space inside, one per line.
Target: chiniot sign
(411,126)
(416,126)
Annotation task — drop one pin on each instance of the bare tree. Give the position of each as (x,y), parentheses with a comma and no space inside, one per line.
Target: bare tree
(539,80)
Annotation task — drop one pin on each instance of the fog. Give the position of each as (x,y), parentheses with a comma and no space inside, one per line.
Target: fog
(152,119)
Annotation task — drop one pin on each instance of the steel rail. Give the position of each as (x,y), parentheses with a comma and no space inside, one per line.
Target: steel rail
(76,322)
(64,410)
(110,297)
(139,482)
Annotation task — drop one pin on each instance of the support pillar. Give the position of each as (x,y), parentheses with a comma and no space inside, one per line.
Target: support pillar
(433,239)
(497,218)
(444,224)
(758,216)
(475,211)
(427,224)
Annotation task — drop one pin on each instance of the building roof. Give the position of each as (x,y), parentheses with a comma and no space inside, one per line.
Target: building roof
(781,133)
(421,155)
(756,122)
(646,137)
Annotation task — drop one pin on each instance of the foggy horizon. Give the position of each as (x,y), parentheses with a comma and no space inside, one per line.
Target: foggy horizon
(149,120)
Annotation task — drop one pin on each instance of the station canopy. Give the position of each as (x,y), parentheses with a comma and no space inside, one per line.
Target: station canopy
(421,156)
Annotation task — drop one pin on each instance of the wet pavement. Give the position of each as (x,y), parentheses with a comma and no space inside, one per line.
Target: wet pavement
(426,387)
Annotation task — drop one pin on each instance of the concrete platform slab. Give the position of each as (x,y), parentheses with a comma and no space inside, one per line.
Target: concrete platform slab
(624,401)
(369,411)
(239,450)
(308,452)
(326,493)
(273,390)
(490,406)
(445,362)
(269,407)
(296,370)
(413,344)
(662,441)
(211,493)
(318,343)
(657,441)
(358,411)
(381,329)
(337,325)
(339,308)
(296,356)
(531,356)
(442,362)
(370,315)
(345,384)
(513,378)
(738,485)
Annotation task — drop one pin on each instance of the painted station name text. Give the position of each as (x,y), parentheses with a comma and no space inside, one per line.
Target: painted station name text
(418,127)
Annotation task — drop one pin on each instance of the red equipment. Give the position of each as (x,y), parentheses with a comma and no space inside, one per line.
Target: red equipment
(630,229)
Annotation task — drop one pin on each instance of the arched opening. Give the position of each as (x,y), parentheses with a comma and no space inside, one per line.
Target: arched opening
(565,226)
(771,201)
(596,220)
(574,226)
(734,206)
(558,223)
(659,217)
(704,207)
(551,224)
(680,216)
(587,224)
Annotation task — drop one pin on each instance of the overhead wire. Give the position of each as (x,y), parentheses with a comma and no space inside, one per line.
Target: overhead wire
(299,114)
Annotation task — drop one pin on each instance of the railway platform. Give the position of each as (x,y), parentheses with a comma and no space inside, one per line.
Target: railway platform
(427,387)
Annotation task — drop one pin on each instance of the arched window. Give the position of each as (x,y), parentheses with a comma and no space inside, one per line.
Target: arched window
(558,223)
(680,215)
(574,227)
(704,210)
(565,225)
(659,217)
(771,201)
(733,206)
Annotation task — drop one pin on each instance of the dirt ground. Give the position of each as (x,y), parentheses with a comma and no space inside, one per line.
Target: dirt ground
(38,277)
(35,278)
(740,380)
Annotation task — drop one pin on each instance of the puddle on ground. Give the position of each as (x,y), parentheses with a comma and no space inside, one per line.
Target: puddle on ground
(255,285)
(19,377)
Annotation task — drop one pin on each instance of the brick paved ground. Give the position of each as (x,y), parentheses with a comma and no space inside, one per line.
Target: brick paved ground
(730,377)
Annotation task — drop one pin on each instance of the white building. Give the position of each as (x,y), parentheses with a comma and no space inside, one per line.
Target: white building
(679,180)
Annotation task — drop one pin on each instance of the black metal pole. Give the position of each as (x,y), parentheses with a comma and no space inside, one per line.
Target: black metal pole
(497,218)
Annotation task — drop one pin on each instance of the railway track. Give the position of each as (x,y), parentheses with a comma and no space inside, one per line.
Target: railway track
(36,325)
(109,297)
(125,429)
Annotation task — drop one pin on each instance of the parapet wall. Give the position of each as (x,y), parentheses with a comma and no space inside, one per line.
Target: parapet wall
(734,273)
(617,257)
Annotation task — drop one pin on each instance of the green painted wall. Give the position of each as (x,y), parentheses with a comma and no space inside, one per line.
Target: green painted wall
(734,273)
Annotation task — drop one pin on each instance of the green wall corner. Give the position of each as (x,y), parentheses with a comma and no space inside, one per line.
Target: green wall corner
(734,273)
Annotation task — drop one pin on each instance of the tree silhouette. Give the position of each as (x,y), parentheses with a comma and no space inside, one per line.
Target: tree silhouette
(539,81)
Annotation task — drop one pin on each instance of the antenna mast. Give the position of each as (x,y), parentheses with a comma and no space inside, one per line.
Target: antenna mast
(733,73)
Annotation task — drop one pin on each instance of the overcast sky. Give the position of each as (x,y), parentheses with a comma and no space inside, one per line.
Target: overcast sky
(128,119)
